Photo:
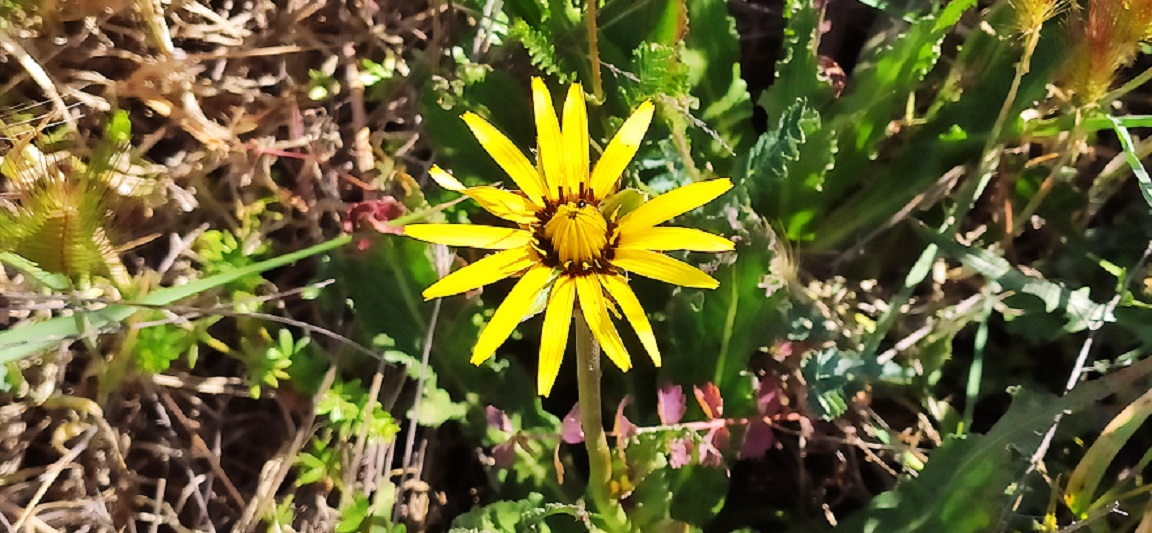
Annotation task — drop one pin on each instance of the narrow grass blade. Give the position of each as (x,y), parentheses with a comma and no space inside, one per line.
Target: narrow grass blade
(26,341)
(1121,129)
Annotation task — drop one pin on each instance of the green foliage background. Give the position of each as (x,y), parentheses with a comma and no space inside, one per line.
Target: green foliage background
(927,245)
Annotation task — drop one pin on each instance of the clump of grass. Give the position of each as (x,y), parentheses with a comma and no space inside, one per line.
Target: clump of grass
(59,210)
(1032,14)
(1104,38)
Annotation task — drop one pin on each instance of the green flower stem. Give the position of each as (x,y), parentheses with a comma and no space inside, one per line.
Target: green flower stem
(592,421)
(593,49)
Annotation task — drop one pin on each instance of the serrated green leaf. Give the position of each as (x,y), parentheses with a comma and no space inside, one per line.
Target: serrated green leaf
(798,72)
(541,49)
(519,515)
(660,72)
(786,168)
(824,372)
(1078,309)
(776,149)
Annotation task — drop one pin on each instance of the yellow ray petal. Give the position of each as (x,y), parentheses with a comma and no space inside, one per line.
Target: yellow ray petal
(554,339)
(621,149)
(662,239)
(508,156)
(661,267)
(595,309)
(445,180)
(508,315)
(575,138)
(495,267)
(672,203)
(470,235)
(618,288)
(504,204)
(548,138)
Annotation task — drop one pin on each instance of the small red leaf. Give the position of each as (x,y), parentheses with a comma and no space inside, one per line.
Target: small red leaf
(710,400)
(757,440)
(670,404)
(504,455)
(720,438)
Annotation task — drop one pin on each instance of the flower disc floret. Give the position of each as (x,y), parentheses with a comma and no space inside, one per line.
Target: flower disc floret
(577,236)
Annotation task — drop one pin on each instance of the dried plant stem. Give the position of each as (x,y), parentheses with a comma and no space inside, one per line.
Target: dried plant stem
(1022,69)
(592,421)
(992,149)
(39,75)
(593,49)
(1066,158)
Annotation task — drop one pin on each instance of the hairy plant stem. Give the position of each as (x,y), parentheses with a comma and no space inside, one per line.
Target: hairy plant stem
(592,421)
(593,49)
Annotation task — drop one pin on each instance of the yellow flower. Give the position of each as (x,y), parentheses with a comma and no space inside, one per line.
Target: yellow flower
(573,242)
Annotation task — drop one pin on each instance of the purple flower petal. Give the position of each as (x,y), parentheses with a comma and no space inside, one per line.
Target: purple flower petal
(571,431)
(623,427)
(768,397)
(670,404)
(680,452)
(709,454)
(497,419)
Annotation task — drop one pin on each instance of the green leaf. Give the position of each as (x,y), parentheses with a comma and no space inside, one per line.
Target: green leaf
(311,469)
(118,132)
(798,72)
(661,74)
(157,347)
(1133,158)
(437,407)
(883,82)
(51,280)
(825,375)
(966,485)
(776,149)
(519,515)
(28,340)
(786,168)
(541,48)
(1080,491)
(1078,309)
(711,51)
(353,516)
(732,321)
